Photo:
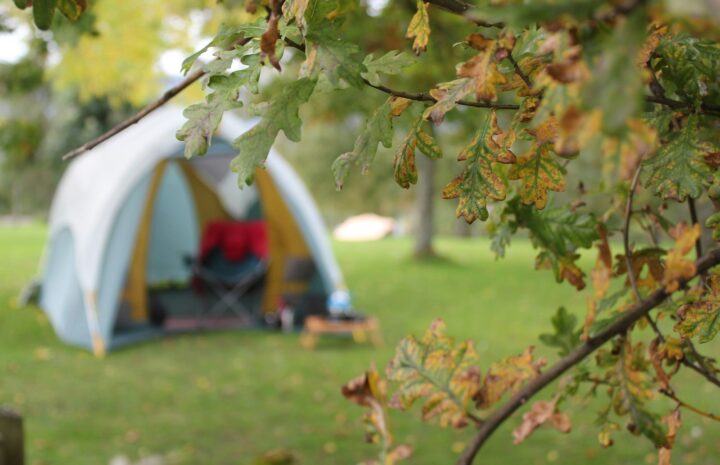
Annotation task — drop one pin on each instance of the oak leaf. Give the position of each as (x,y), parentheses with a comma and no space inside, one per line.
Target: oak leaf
(439,371)
(539,172)
(369,390)
(484,73)
(507,375)
(540,413)
(702,318)
(677,267)
(479,182)
(419,28)
(405,170)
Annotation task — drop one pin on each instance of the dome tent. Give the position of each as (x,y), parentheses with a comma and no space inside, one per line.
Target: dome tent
(128,212)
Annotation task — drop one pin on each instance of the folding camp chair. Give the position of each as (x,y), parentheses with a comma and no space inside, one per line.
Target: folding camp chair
(231,263)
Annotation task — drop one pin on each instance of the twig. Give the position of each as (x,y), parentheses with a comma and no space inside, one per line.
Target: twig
(694,219)
(690,407)
(519,71)
(619,326)
(169,94)
(426,97)
(461,8)
(166,97)
(678,105)
(628,251)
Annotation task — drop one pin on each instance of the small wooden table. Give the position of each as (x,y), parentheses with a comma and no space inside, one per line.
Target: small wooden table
(360,330)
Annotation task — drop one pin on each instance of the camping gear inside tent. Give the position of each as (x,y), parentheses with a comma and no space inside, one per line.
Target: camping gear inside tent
(129,216)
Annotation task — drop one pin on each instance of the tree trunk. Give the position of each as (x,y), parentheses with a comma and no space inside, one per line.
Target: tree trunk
(11,439)
(425,207)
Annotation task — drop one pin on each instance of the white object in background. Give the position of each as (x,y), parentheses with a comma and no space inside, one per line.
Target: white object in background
(287,319)
(365,227)
(339,302)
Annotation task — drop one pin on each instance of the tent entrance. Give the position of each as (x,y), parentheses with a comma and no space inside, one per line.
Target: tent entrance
(159,293)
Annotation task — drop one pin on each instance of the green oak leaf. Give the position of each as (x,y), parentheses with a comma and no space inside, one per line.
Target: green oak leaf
(378,129)
(339,61)
(203,120)
(281,114)
(43,13)
(678,170)
(224,38)
(566,336)
(558,233)
(393,62)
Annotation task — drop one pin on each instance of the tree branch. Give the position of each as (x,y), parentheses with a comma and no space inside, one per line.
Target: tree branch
(461,8)
(692,408)
(146,110)
(694,219)
(167,96)
(628,251)
(519,71)
(426,97)
(623,322)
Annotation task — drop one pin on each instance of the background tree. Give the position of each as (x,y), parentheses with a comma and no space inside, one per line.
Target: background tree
(628,86)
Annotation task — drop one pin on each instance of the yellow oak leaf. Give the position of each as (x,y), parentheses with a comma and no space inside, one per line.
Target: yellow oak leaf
(419,28)
(540,172)
(677,267)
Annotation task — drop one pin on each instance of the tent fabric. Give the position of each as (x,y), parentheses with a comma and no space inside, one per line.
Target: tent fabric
(104,210)
(135,290)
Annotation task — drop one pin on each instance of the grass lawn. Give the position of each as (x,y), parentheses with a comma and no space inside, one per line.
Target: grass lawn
(226,398)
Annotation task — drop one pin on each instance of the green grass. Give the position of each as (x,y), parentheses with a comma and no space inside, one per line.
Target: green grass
(226,398)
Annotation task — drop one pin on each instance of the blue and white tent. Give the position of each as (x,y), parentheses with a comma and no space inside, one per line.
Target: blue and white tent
(126,214)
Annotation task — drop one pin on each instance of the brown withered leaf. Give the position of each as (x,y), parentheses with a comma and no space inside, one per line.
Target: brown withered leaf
(647,266)
(600,275)
(651,42)
(540,413)
(401,452)
(673,422)
(657,357)
(483,71)
(480,42)
(677,267)
(368,390)
(270,37)
(507,375)
(576,129)
(419,28)
(622,156)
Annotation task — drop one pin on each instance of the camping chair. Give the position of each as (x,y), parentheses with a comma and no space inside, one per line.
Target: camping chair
(300,292)
(231,263)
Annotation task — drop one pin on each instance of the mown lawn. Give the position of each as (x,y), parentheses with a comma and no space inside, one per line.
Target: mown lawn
(227,398)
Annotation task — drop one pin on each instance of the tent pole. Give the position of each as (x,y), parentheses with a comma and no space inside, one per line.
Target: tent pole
(91,314)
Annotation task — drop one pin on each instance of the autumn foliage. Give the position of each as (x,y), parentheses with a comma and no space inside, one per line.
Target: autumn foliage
(622,94)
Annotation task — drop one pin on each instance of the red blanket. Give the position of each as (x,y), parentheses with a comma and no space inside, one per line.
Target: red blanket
(235,239)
